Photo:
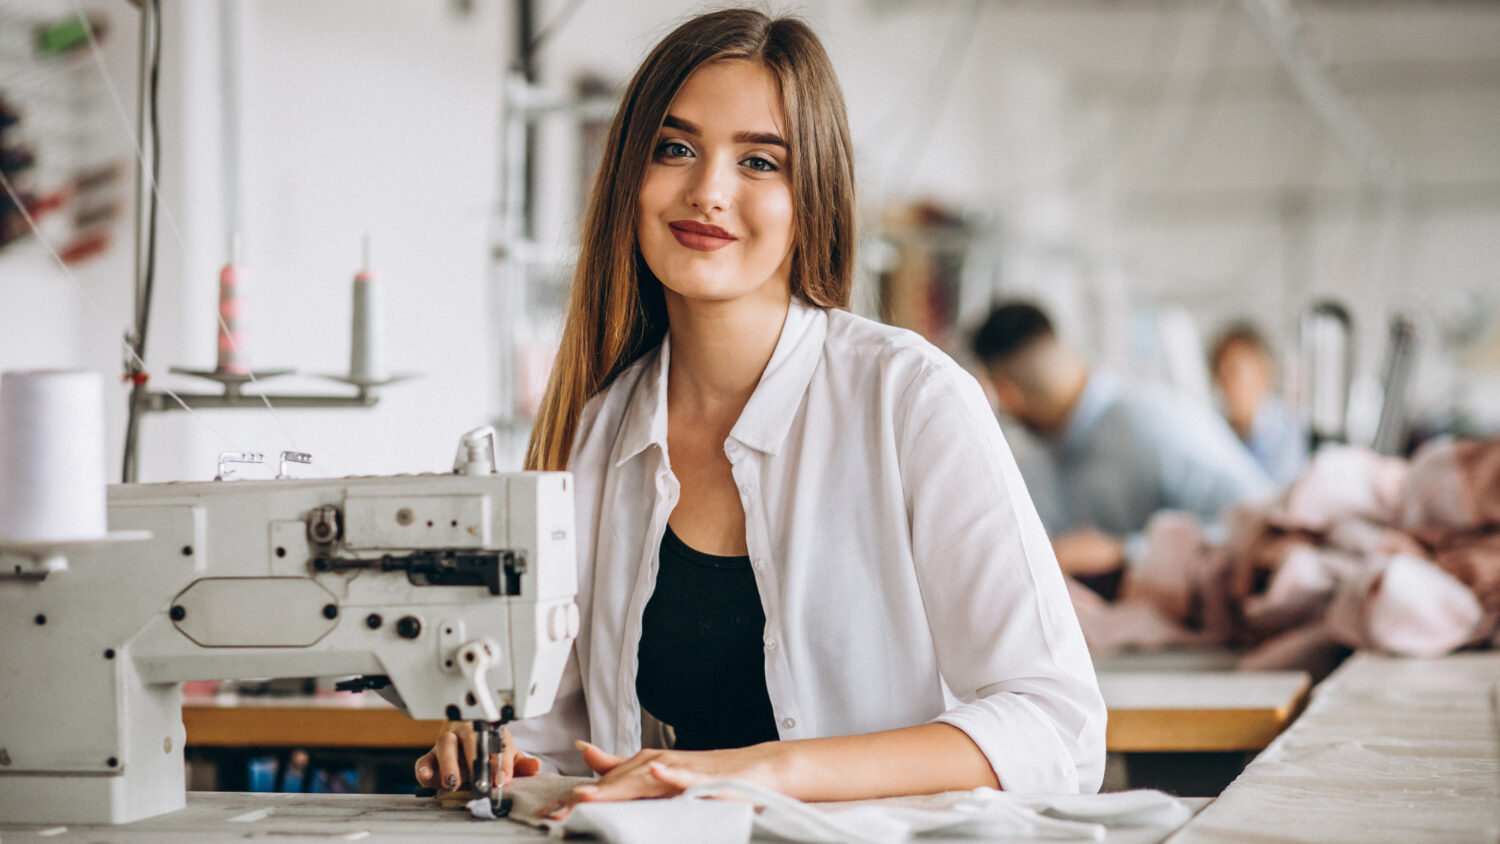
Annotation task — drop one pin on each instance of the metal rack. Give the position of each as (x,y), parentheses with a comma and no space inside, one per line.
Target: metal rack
(523,266)
(232,394)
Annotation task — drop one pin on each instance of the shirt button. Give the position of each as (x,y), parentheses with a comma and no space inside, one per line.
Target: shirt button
(789,722)
(760,565)
(770,643)
(746,488)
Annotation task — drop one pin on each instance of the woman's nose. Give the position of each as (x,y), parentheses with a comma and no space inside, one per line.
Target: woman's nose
(712,186)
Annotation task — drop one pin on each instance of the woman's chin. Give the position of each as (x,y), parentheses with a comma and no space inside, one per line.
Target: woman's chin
(711,290)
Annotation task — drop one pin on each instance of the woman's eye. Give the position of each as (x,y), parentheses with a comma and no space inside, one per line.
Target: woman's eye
(764,165)
(673,149)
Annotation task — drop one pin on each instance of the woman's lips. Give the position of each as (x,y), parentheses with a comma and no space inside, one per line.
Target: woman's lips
(700,236)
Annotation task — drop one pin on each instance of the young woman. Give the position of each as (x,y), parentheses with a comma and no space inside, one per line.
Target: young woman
(803,543)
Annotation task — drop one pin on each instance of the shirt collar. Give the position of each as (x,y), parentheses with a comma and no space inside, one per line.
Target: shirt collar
(645,422)
(767,417)
(1099,392)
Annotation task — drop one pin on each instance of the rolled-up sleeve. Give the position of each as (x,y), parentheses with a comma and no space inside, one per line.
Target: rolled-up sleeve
(1008,643)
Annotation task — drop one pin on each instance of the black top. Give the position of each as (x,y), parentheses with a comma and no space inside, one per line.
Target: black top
(702,661)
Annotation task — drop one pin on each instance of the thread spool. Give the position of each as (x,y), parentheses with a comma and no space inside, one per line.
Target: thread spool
(366,352)
(232,350)
(52,485)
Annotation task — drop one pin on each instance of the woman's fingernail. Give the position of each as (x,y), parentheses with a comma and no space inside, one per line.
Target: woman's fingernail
(581,744)
(585,789)
(424,772)
(451,781)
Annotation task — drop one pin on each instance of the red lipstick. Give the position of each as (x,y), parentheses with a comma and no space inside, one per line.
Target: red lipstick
(704,237)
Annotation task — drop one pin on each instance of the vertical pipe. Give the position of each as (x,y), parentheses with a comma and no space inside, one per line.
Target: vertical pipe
(143,187)
(143,161)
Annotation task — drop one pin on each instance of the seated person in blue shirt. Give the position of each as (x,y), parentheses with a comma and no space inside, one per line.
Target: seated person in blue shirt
(1244,375)
(1117,453)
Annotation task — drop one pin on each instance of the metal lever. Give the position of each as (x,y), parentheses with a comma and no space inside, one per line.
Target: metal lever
(228,457)
(291,457)
(477,657)
(488,742)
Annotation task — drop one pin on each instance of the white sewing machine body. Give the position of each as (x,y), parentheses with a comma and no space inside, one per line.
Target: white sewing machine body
(408,578)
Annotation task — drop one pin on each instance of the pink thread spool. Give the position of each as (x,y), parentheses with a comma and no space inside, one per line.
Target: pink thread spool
(232,351)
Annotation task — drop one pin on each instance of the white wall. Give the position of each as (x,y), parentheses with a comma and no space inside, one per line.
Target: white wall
(1149,153)
(1086,129)
(357,117)
(376,117)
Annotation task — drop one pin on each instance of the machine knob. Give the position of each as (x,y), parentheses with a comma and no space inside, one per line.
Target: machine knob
(409,627)
(562,622)
(323,525)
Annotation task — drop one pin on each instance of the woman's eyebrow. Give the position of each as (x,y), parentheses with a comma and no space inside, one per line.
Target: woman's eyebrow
(769,138)
(674,122)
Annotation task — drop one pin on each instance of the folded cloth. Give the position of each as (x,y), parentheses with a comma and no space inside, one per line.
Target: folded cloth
(675,821)
(1345,482)
(953,815)
(747,809)
(983,813)
(1407,606)
(1141,807)
(1454,485)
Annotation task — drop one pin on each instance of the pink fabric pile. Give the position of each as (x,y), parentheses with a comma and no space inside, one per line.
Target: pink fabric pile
(1362,552)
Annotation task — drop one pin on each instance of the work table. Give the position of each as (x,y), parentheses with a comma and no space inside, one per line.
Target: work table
(1149,711)
(1388,749)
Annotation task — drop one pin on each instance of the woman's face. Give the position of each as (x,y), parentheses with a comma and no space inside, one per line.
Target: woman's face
(715,215)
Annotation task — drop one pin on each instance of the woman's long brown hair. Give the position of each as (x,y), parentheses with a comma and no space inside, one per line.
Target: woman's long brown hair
(616,312)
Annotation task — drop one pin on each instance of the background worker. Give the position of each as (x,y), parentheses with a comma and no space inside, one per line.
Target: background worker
(1245,375)
(1117,453)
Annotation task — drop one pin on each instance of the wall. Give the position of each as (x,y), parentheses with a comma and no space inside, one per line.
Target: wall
(1127,154)
(356,117)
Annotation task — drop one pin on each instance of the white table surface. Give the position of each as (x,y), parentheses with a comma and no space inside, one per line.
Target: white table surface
(327,818)
(1388,749)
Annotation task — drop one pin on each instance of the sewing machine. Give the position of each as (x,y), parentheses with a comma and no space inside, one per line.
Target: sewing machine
(451,595)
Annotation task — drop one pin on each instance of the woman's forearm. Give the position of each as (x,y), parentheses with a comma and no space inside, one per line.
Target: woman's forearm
(924,759)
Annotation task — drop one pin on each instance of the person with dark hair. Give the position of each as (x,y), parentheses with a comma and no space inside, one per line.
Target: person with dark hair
(803,542)
(1241,364)
(1118,453)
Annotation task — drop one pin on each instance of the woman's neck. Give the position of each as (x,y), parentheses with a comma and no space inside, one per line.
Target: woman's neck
(720,350)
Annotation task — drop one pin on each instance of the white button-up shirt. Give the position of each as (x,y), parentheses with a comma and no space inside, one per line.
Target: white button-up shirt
(903,571)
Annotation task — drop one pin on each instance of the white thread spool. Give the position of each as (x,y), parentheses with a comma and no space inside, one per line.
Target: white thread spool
(52,456)
(366,351)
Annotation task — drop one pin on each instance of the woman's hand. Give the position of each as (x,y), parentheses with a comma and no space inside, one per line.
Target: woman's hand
(446,767)
(666,773)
